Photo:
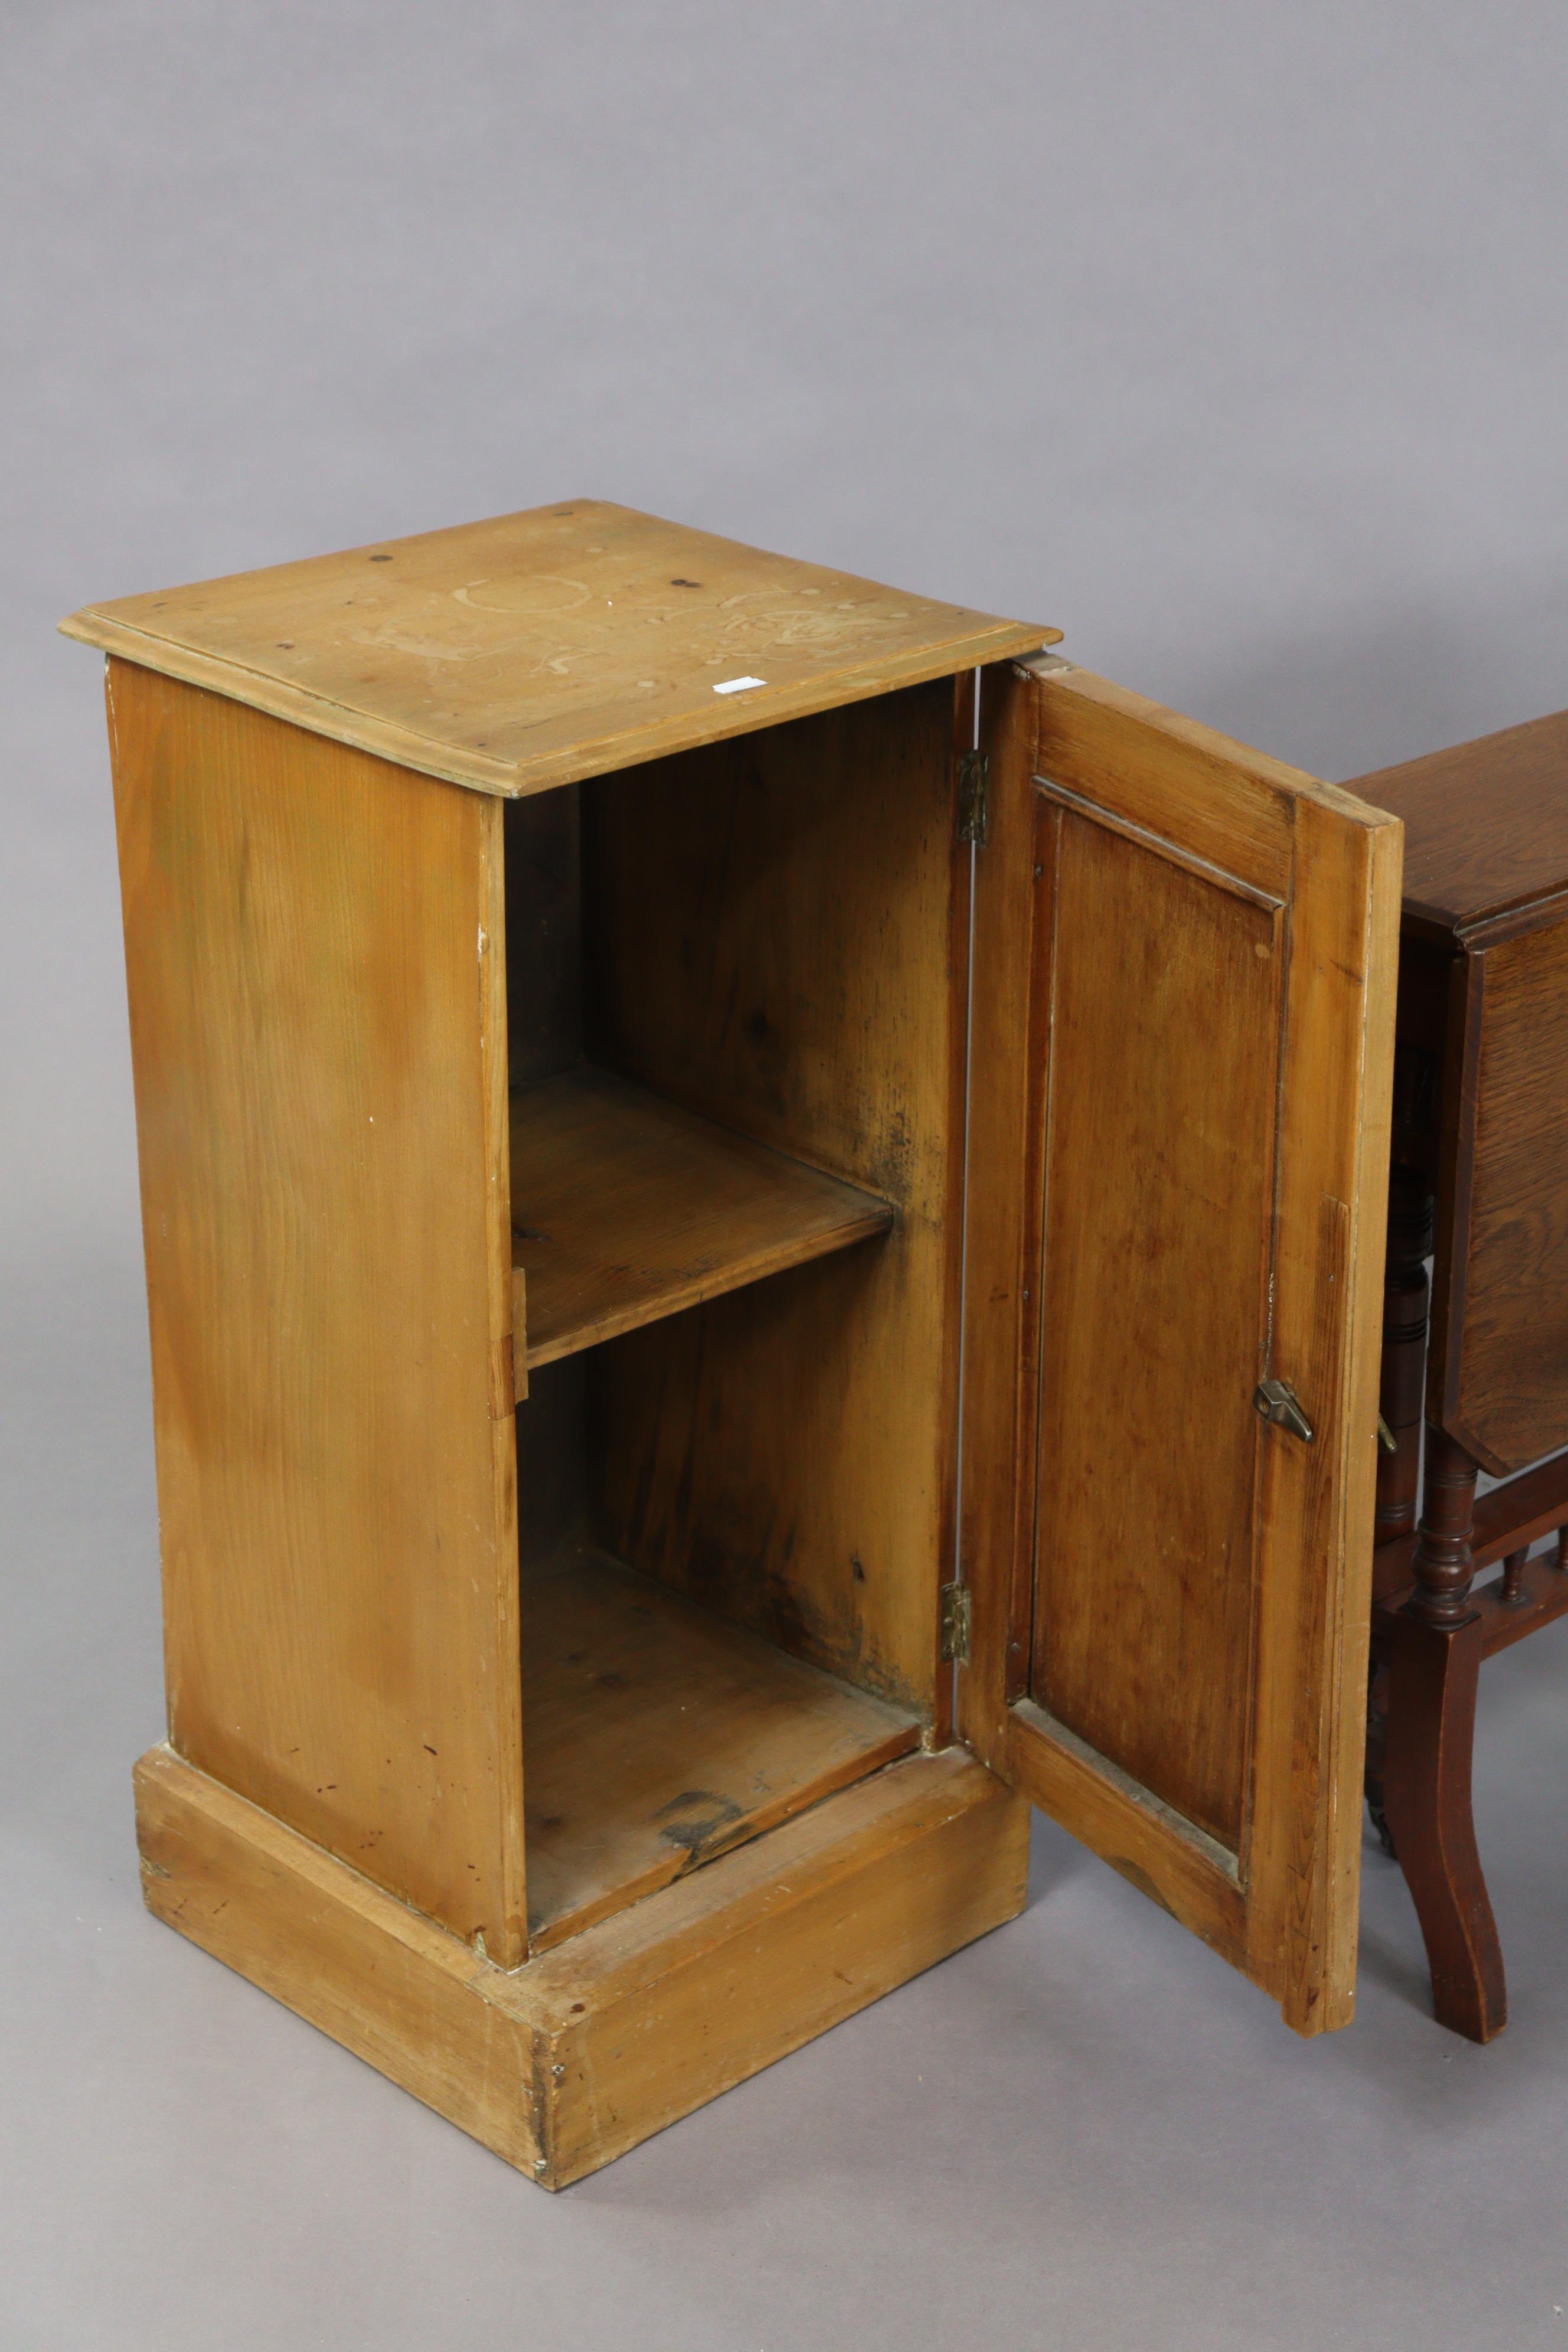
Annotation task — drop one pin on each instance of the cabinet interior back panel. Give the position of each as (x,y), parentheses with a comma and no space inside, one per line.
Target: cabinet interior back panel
(774,938)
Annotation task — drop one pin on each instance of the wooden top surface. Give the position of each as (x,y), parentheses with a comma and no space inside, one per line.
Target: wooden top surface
(540,647)
(1485,823)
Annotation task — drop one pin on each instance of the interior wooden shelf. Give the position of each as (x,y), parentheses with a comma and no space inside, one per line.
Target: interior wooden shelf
(625,1208)
(657,1735)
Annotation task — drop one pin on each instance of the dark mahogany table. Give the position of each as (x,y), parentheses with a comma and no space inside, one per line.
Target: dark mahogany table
(1479,1184)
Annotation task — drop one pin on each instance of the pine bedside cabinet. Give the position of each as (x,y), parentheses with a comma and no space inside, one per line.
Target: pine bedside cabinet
(764,1216)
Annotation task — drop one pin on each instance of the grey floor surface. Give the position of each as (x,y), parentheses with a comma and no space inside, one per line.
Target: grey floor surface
(1081,2133)
(1231,338)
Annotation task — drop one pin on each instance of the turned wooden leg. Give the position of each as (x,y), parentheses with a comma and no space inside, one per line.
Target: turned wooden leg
(1442,1566)
(1406,1300)
(1434,1673)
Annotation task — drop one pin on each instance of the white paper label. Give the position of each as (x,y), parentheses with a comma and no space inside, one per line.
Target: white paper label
(739,685)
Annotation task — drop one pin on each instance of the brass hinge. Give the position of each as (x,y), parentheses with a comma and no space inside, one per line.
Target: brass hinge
(973,815)
(955,1623)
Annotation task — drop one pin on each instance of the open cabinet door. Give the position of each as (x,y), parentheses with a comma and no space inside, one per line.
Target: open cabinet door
(1185,960)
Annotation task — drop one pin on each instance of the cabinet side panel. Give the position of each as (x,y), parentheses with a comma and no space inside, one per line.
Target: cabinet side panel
(312,949)
(1507,1360)
(775,939)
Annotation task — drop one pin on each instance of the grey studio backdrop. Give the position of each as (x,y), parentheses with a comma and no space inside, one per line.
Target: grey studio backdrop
(1231,339)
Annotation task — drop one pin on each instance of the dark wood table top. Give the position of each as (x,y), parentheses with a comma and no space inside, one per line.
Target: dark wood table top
(1485,824)
(1481,1111)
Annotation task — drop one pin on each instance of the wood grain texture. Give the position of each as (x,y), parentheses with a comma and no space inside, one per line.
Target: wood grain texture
(627,1208)
(1486,825)
(657,1737)
(318,1042)
(1005,1197)
(535,648)
(1498,1371)
(1452,1126)
(773,934)
(1227,1646)
(569,2061)
(1318,1502)
(500,1588)
(1433,1681)
(1159,1181)
(1237,819)
(1187,1872)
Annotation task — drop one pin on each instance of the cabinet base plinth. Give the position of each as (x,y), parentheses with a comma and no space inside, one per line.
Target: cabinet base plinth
(564,2063)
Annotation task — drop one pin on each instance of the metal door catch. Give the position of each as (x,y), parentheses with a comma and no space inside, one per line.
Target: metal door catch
(1276,1401)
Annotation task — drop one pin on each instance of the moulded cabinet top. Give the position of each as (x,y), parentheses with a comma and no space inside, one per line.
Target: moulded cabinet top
(1485,827)
(539,647)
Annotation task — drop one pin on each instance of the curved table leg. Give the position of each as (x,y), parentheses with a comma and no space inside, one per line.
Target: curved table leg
(1433,1672)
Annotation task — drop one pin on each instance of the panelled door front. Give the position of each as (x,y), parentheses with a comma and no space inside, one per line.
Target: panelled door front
(1185,960)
